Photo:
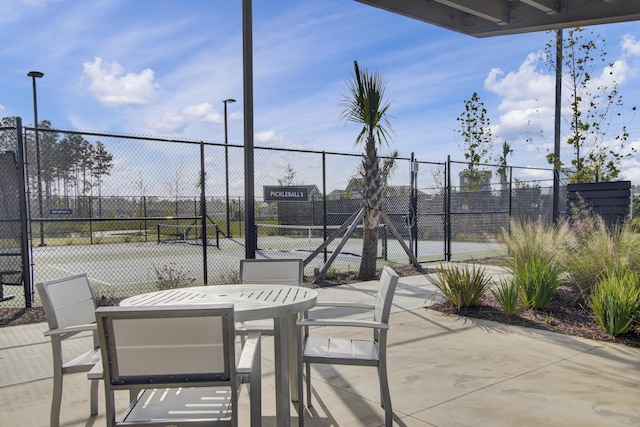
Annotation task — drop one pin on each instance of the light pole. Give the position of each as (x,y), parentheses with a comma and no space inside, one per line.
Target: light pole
(226,161)
(36,75)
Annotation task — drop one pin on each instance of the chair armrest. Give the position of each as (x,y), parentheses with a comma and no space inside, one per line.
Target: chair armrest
(72,329)
(344,304)
(344,322)
(250,352)
(95,373)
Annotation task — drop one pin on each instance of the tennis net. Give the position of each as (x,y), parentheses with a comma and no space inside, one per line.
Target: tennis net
(191,234)
(306,238)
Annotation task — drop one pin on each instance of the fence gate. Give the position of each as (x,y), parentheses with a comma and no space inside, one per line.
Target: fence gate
(14,259)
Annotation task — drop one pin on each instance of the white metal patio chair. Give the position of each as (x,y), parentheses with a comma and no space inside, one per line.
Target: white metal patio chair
(341,351)
(69,305)
(181,361)
(268,271)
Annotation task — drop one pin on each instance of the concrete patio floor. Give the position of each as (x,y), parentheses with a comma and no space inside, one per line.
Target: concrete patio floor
(443,370)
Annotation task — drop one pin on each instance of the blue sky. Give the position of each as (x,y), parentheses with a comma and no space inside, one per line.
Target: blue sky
(161,67)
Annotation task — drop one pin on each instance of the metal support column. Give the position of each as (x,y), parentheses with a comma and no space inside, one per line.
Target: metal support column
(249,175)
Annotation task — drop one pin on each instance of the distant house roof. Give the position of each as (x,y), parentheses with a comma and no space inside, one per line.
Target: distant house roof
(313,189)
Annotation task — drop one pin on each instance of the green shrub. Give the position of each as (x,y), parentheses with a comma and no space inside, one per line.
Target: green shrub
(170,277)
(331,273)
(615,300)
(507,294)
(538,280)
(461,286)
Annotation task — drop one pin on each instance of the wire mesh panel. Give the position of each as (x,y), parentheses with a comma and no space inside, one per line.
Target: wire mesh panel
(141,213)
(10,228)
(483,199)
(291,228)
(479,208)
(430,210)
(101,198)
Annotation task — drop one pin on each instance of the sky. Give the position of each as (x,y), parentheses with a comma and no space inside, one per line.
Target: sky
(162,68)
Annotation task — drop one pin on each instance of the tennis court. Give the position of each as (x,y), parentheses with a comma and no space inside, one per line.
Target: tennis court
(128,268)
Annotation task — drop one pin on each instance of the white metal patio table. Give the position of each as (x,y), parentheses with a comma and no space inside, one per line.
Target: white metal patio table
(253,302)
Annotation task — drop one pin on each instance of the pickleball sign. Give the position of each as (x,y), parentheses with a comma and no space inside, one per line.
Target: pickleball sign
(285,194)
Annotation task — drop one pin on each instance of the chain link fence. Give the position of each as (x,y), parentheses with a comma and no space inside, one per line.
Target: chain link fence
(129,210)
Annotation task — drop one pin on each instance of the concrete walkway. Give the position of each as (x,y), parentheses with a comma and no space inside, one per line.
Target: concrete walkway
(444,371)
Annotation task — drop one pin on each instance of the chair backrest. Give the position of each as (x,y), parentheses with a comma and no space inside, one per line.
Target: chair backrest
(384,296)
(167,346)
(276,271)
(68,301)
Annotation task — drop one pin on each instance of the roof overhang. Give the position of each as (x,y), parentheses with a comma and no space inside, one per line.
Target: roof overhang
(488,18)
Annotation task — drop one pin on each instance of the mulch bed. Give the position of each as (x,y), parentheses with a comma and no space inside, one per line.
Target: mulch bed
(565,314)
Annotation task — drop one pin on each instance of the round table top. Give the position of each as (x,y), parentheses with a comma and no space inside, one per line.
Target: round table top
(251,302)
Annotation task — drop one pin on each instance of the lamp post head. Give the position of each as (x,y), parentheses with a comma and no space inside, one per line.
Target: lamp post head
(229,100)
(36,74)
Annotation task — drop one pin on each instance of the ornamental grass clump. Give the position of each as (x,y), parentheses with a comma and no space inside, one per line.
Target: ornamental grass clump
(507,293)
(615,300)
(599,249)
(462,286)
(526,240)
(538,280)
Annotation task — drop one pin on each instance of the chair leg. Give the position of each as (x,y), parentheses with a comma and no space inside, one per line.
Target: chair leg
(308,375)
(58,372)
(94,397)
(110,408)
(255,390)
(385,395)
(56,399)
(299,364)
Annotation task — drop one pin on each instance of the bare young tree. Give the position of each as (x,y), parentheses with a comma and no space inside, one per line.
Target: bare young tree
(594,104)
(289,178)
(475,129)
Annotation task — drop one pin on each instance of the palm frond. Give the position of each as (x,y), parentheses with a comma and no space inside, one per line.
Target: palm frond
(365,105)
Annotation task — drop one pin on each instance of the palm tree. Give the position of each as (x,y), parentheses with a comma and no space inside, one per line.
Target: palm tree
(365,105)
(503,166)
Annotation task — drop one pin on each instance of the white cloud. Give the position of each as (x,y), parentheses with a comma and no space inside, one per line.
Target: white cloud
(274,139)
(630,166)
(111,86)
(178,121)
(630,45)
(269,137)
(632,174)
(526,101)
(614,74)
(2,109)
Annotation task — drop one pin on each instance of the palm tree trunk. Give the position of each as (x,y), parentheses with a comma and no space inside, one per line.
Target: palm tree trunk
(368,263)
(372,192)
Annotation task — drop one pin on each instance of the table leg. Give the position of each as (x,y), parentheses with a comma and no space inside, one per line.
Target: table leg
(281,341)
(293,358)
